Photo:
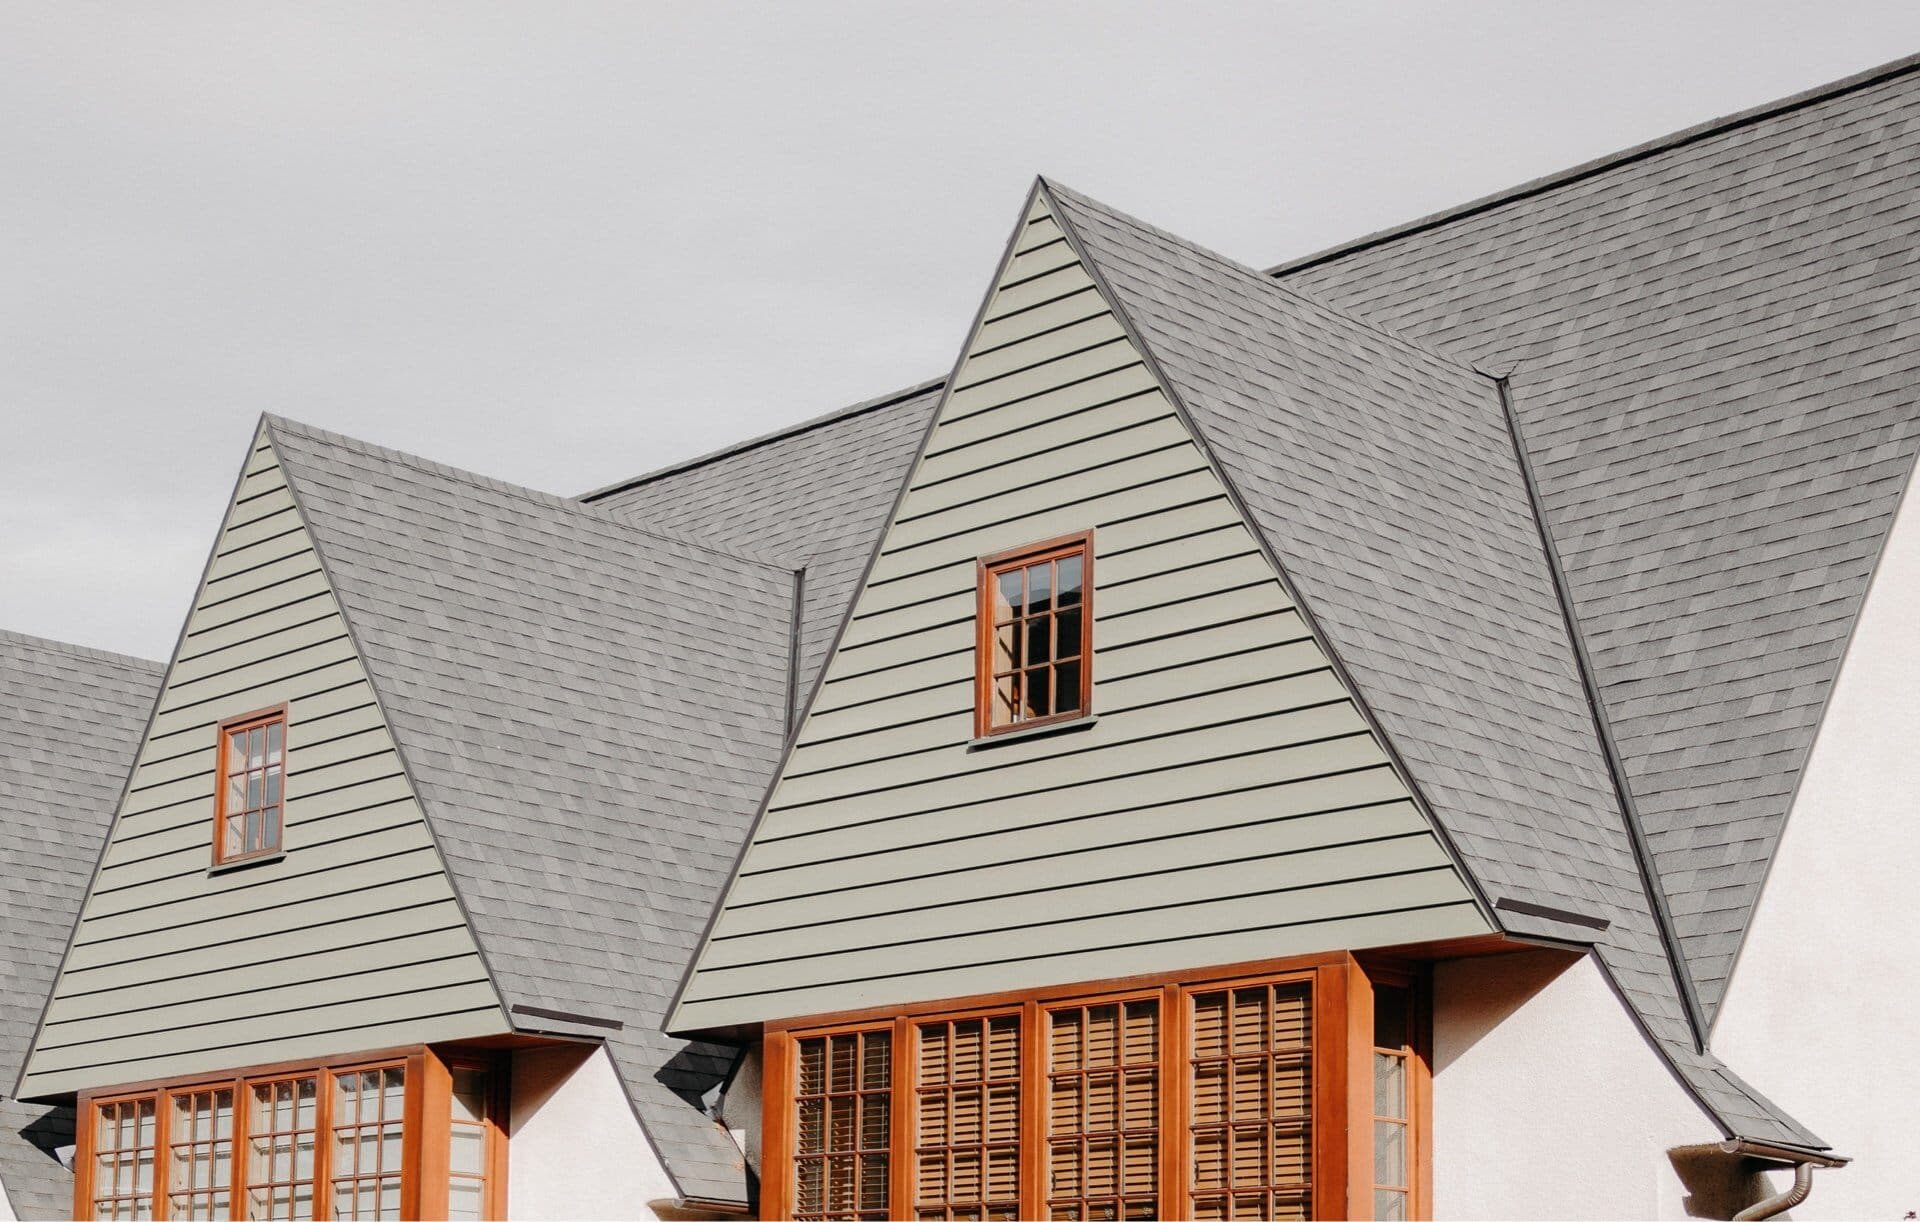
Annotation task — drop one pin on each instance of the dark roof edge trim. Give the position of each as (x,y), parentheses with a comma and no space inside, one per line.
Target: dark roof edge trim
(1201,442)
(1589,169)
(780,434)
(269,426)
(669,1022)
(1603,730)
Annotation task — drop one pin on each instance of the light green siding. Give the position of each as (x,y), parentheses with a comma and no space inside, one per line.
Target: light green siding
(353,940)
(1229,803)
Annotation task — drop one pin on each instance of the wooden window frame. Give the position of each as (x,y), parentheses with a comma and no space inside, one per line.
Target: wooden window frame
(248,721)
(1342,1080)
(425,1132)
(986,570)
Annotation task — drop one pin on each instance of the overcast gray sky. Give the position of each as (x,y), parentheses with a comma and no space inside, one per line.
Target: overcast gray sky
(566,243)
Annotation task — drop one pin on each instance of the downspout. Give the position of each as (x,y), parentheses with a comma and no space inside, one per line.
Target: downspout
(1802,1185)
(1803,1165)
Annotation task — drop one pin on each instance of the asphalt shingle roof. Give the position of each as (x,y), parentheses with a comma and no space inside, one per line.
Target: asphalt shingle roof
(1714,343)
(70,723)
(589,713)
(818,493)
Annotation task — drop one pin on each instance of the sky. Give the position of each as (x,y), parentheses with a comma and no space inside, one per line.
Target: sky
(566,243)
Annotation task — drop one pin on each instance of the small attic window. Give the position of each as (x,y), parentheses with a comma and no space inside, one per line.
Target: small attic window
(1034,660)
(248,800)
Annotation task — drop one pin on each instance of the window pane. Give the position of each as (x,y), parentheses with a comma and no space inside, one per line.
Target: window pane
(1389,1153)
(1066,687)
(276,739)
(1067,633)
(1068,574)
(1389,1206)
(1012,588)
(1040,587)
(1389,1085)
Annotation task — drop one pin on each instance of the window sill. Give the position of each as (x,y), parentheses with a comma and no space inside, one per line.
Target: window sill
(244,863)
(1032,732)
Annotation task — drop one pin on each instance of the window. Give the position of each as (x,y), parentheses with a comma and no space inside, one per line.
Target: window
(1035,641)
(324,1141)
(966,1141)
(1214,1094)
(1252,1105)
(1103,1113)
(477,1141)
(122,1163)
(248,799)
(1393,1087)
(845,1105)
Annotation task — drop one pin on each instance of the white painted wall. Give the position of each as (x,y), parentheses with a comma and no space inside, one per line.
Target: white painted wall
(575,1149)
(1826,994)
(6,1206)
(1547,1101)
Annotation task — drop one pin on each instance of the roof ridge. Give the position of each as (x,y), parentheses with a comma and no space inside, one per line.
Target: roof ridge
(1599,165)
(779,434)
(548,500)
(84,651)
(1434,352)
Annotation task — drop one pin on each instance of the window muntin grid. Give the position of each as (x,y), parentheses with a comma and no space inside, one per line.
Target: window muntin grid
(368,1107)
(843,1110)
(251,789)
(967,1118)
(1103,1110)
(200,1153)
(1392,1117)
(124,1139)
(265,1131)
(1250,1065)
(470,1138)
(1036,636)
(282,1132)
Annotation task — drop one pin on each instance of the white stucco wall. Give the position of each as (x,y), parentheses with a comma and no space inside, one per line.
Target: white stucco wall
(1547,1101)
(1826,993)
(6,1206)
(575,1149)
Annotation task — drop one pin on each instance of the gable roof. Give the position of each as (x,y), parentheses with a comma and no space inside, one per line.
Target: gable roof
(587,712)
(1712,341)
(70,722)
(1708,343)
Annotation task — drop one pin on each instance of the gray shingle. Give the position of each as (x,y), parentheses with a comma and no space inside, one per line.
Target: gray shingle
(70,723)
(1714,345)
(590,713)
(818,493)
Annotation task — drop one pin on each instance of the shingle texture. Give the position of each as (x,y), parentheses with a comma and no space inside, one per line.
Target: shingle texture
(818,494)
(1714,348)
(589,713)
(1383,477)
(70,722)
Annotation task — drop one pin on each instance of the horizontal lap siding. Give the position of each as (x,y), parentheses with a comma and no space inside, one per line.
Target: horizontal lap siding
(1229,802)
(354,940)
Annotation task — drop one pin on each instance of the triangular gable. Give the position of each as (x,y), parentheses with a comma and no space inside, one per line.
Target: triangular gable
(1384,479)
(354,939)
(589,712)
(1227,803)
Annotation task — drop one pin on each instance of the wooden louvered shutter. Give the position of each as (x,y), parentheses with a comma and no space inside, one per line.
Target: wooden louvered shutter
(1103,1114)
(967,1118)
(1250,1125)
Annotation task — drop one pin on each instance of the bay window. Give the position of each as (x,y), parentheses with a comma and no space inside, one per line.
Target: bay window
(1293,1089)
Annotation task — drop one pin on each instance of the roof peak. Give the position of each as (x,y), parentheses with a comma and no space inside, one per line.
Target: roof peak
(1600,165)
